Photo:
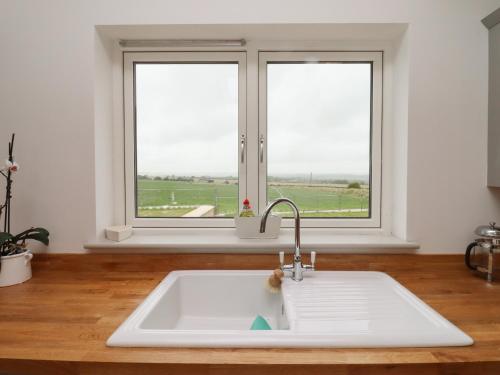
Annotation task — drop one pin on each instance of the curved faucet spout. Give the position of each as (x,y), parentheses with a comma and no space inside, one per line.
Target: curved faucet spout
(296,215)
(297,268)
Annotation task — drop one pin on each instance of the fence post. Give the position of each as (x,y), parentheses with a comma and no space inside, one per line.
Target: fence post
(215,202)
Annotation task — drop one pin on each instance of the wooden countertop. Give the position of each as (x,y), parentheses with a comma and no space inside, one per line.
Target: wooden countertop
(58,322)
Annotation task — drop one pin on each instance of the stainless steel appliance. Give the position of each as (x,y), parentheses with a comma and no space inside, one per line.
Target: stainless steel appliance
(480,254)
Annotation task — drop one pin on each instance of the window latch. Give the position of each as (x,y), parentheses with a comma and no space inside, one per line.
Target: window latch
(242,143)
(261,157)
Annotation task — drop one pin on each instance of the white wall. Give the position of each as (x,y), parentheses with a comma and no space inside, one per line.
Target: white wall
(47,76)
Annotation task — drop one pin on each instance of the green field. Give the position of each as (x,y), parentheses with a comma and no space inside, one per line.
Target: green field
(160,198)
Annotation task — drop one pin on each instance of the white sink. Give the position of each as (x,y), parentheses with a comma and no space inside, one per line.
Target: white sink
(326,309)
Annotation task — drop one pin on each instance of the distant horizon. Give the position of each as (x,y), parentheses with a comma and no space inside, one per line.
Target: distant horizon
(313,176)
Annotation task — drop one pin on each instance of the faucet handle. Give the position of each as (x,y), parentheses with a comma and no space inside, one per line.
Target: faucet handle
(282,258)
(313,259)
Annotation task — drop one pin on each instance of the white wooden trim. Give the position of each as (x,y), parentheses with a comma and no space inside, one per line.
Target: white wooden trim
(249,102)
(129,58)
(376,128)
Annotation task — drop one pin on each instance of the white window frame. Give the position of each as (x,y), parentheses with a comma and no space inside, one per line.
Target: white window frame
(129,61)
(375,58)
(252,173)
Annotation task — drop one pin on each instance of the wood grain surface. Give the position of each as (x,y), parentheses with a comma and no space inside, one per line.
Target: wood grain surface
(58,322)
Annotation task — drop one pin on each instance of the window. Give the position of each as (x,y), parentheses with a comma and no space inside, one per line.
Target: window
(184,113)
(197,142)
(321,115)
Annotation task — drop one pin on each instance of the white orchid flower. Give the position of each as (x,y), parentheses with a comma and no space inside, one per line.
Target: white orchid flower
(11,166)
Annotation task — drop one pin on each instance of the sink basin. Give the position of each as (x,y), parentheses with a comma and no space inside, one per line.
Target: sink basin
(326,309)
(214,301)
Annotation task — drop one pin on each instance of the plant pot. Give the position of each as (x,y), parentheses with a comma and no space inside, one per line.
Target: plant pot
(249,227)
(15,269)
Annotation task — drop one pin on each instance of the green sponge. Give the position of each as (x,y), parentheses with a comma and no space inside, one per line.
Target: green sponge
(260,324)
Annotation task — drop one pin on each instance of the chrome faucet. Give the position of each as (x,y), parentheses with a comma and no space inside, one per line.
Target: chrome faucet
(297,268)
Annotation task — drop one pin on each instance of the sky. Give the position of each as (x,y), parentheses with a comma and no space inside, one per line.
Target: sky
(318,119)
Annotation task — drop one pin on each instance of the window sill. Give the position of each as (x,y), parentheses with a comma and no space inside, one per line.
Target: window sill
(224,240)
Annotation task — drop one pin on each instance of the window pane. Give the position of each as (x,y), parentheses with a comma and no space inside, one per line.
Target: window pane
(186,134)
(319,126)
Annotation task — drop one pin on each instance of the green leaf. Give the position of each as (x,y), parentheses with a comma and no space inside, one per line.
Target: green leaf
(37,237)
(22,234)
(37,234)
(5,237)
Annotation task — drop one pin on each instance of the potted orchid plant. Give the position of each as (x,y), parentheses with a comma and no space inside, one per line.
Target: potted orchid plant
(15,257)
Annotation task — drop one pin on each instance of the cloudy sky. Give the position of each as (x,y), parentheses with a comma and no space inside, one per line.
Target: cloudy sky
(318,119)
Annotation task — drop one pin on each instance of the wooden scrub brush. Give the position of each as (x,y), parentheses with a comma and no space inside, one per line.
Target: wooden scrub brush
(273,283)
